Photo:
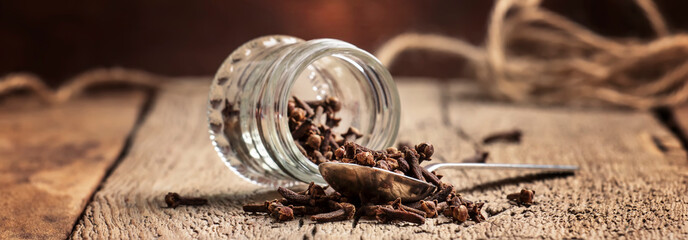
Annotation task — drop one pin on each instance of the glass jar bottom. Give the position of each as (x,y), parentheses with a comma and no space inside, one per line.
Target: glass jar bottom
(220,103)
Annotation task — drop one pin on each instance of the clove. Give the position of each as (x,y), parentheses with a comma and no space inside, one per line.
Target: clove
(511,136)
(280,212)
(479,157)
(429,207)
(386,215)
(345,212)
(174,200)
(524,197)
(460,213)
(293,197)
(412,160)
(396,204)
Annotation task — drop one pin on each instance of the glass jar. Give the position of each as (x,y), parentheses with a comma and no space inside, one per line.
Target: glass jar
(247,105)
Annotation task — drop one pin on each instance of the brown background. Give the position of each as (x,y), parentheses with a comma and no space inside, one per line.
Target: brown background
(58,39)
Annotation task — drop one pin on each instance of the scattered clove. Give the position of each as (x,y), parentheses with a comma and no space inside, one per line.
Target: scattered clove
(479,157)
(396,204)
(412,159)
(429,207)
(256,208)
(345,212)
(511,136)
(460,213)
(174,200)
(294,197)
(282,213)
(386,215)
(425,150)
(475,212)
(524,197)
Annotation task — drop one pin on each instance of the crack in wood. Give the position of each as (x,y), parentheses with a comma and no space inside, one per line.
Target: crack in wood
(150,97)
(668,119)
(445,110)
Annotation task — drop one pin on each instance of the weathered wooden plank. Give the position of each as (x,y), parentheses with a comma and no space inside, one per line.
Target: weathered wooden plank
(423,119)
(52,158)
(172,153)
(626,186)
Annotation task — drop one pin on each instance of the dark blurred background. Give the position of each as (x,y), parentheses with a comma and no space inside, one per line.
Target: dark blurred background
(58,39)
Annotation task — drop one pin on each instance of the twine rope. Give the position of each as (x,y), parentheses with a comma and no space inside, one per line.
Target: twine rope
(530,56)
(78,84)
(537,56)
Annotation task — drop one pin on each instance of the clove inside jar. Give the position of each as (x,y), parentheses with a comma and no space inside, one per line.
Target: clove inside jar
(247,105)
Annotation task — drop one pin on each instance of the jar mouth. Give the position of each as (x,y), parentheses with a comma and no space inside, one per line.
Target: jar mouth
(247,103)
(327,67)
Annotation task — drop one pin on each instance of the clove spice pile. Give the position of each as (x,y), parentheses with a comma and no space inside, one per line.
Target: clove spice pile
(311,124)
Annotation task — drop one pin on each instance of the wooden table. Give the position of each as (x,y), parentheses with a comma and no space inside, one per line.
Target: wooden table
(69,170)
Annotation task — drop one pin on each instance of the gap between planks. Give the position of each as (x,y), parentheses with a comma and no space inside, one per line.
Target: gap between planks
(148,101)
(52,158)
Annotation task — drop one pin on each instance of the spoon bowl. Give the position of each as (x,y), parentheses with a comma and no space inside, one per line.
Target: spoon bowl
(373,184)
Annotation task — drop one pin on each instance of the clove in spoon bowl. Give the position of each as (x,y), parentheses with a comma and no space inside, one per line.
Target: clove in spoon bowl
(378,185)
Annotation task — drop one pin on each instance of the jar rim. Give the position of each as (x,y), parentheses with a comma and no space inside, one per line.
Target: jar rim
(296,61)
(258,78)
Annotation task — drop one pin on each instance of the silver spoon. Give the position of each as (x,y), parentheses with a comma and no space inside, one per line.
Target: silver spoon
(378,185)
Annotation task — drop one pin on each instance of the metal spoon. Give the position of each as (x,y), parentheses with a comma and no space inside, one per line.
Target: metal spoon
(378,185)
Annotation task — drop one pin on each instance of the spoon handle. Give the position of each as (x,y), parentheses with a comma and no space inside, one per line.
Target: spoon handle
(549,168)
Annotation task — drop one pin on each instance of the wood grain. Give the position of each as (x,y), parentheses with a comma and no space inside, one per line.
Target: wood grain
(52,158)
(623,189)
